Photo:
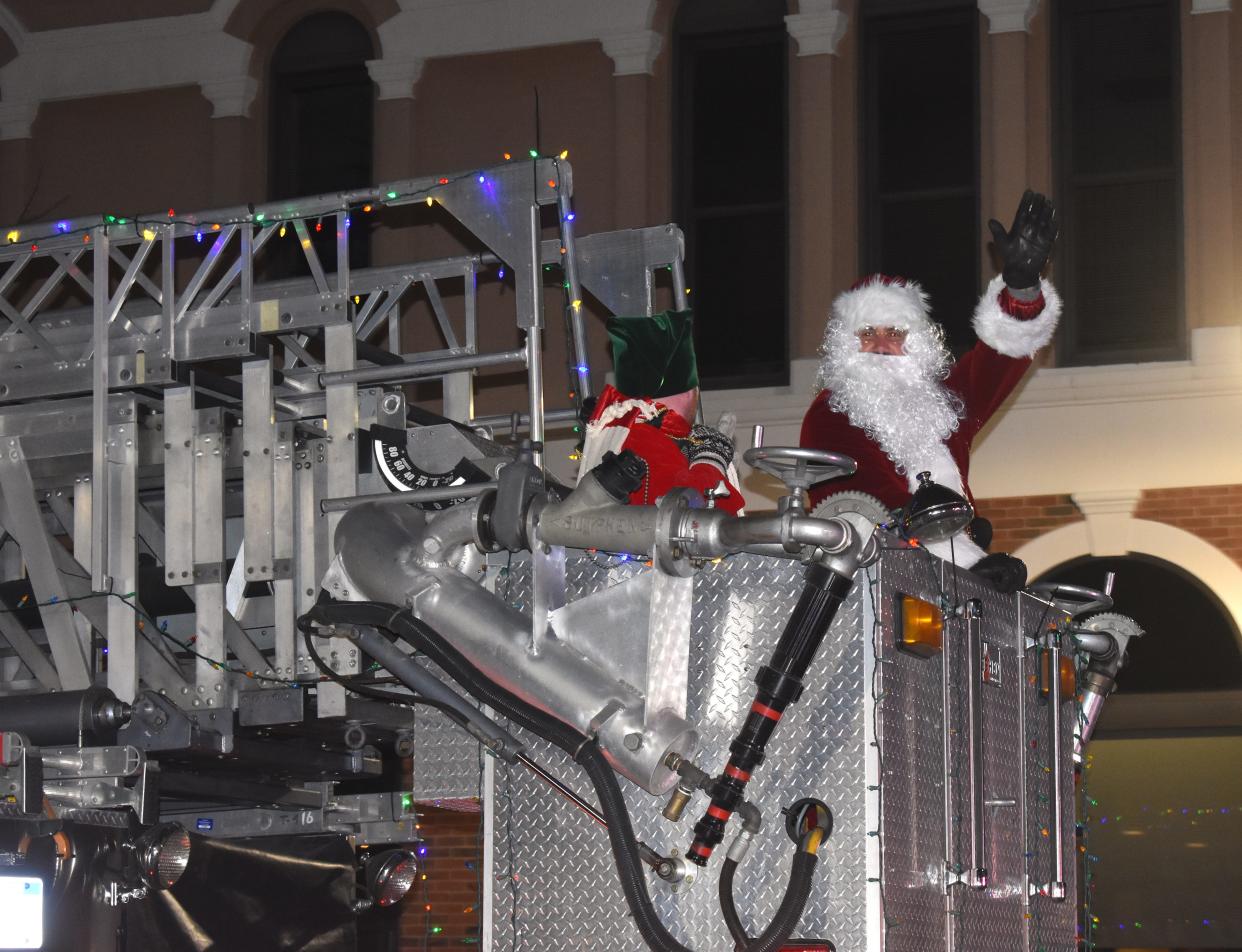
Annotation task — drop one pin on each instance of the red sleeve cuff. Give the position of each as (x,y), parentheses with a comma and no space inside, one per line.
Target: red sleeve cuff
(1022,310)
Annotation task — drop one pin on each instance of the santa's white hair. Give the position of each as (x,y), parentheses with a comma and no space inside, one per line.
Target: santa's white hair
(897,400)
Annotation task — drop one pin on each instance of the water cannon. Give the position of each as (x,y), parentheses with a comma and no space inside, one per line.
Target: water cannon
(1104,639)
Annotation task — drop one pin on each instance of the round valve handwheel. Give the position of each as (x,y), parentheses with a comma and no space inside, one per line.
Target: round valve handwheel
(798,467)
(1073,599)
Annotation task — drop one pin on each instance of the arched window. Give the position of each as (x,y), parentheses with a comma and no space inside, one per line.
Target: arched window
(321,117)
(1191,642)
(731,192)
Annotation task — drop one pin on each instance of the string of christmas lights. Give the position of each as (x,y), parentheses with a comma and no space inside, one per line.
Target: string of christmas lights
(145,225)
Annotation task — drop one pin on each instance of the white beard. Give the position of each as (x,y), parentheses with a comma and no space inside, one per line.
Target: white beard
(900,402)
(910,415)
(900,406)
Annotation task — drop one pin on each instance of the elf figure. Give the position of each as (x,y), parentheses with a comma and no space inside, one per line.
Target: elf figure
(650,411)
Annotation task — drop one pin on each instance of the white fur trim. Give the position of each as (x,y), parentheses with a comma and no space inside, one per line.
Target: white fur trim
(1008,335)
(615,411)
(960,550)
(940,464)
(876,304)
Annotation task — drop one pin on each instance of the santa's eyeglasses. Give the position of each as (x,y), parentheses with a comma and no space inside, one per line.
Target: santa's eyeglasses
(894,334)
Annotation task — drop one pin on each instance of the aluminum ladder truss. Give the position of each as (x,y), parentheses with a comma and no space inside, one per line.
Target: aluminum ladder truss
(161,404)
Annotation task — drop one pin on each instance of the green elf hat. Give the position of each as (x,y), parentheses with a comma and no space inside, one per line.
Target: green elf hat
(654,356)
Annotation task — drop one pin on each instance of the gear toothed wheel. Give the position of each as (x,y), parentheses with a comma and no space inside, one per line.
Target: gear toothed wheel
(865,504)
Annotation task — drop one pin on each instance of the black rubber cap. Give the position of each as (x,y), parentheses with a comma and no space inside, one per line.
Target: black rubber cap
(621,473)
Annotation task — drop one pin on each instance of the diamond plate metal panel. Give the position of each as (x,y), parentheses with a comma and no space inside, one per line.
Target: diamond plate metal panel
(552,862)
(990,918)
(912,750)
(446,759)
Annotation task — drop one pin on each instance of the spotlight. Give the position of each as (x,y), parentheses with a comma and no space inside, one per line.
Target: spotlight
(163,852)
(935,513)
(389,875)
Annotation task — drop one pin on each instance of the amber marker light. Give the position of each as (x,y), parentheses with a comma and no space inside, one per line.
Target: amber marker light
(1069,677)
(922,627)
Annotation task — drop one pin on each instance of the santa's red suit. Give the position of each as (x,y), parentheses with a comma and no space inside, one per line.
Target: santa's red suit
(659,436)
(1010,332)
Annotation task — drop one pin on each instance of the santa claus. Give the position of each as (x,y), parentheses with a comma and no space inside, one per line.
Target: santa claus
(894,400)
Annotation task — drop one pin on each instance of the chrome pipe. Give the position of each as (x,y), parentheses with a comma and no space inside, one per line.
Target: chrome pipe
(421,369)
(408,498)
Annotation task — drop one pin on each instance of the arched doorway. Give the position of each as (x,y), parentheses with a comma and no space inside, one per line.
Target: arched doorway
(1161,790)
(1192,642)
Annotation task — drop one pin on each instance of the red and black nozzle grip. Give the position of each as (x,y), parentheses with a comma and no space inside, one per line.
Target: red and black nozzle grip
(780,685)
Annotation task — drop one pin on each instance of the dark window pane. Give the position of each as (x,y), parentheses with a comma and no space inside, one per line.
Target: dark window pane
(330,135)
(738,124)
(1125,244)
(321,132)
(1119,143)
(920,158)
(731,190)
(933,242)
(1122,74)
(739,304)
(925,82)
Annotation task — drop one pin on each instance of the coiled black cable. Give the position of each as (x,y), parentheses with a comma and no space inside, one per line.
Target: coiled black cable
(585,752)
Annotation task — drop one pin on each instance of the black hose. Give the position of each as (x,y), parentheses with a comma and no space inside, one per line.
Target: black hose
(801,877)
(355,686)
(728,909)
(585,752)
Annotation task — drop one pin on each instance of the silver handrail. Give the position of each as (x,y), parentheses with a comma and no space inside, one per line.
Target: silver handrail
(977,874)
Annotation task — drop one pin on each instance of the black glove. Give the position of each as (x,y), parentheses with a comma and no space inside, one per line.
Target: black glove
(980,532)
(1006,573)
(707,444)
(1026,247)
